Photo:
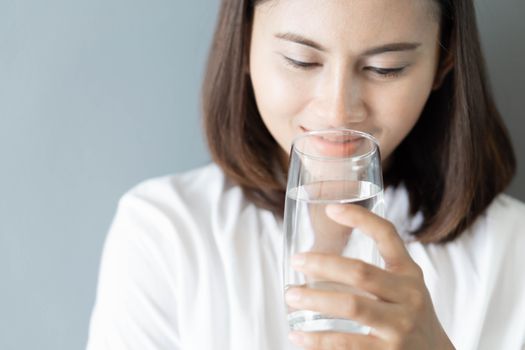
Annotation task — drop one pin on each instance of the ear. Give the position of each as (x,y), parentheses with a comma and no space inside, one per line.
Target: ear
(445,66)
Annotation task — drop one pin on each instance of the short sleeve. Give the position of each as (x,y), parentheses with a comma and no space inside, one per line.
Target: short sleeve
(135,306)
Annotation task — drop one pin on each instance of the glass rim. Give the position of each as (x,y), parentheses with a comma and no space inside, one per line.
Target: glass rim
(309,133)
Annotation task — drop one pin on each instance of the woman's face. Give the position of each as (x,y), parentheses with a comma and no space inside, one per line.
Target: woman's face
(368,65)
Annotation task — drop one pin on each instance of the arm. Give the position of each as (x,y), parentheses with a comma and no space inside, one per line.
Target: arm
(135,305)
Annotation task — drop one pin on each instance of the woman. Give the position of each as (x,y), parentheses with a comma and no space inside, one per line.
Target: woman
(192,261)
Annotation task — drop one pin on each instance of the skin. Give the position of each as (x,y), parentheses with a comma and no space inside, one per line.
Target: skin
(341,83)
(342,87)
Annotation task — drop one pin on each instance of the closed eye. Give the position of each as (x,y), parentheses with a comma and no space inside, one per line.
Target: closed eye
(300,64)
(386,72)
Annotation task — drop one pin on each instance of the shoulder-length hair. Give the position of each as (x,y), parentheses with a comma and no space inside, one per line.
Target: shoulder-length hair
(453,163)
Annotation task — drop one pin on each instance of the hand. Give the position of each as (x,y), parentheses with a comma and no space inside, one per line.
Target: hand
(401,316)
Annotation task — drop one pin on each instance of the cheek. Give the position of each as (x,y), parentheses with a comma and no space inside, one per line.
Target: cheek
(399,109)
(279,99)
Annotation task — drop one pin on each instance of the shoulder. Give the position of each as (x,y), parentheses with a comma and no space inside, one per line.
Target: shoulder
(498,230)
(505,206)
(156,245)
(503,224)
(205,181)
(498,235)
(506,216)
(196,187)
(185,202)
(172,219)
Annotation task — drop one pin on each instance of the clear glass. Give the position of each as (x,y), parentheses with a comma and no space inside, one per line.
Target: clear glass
(329,166)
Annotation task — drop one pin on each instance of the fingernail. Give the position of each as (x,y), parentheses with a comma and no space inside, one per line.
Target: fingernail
(296,338)
(334,209)
(293,295)
(298,260)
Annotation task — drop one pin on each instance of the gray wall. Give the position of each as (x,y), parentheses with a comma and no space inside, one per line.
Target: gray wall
(98,95)
(95,95)
(502,27)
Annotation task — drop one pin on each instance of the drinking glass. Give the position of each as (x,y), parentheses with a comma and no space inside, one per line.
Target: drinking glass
(334,166)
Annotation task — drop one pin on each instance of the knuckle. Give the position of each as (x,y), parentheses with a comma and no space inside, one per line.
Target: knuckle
(417,271)
(312,262)
(396,342)
(356,217)
(340,343)
(315,341)
(360,213)
(390,228)
(361,272)
(407,325)
(334,341)
(351,307)
(391,233)
(331,262)
(417,300)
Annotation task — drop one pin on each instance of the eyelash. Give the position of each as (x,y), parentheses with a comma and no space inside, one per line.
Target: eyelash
(382,72)
(386,72)
(299,64)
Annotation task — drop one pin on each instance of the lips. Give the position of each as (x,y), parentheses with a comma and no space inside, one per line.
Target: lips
(336,148)
(335,145)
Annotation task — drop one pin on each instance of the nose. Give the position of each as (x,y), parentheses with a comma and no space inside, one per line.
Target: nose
(341,100)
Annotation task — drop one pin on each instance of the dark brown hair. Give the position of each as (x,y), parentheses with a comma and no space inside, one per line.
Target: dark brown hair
(454,162)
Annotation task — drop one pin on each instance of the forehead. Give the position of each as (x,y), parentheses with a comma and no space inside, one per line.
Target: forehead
(356,23)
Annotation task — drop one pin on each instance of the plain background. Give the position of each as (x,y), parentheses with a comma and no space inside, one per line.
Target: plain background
(98,95)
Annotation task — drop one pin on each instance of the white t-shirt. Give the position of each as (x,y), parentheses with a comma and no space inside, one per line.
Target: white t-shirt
(190,264)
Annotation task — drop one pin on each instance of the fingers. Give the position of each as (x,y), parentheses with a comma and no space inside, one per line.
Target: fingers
(335,341)
(351,272)
(374,313)
(390,245)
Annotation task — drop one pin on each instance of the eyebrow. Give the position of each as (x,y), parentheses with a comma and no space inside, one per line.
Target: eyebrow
(391,47)
(299,39)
